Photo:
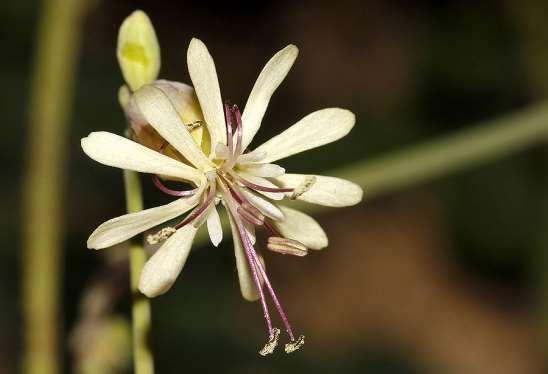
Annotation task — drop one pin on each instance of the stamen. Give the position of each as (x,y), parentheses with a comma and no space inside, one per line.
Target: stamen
(180,193)
(293,346)
(258,187)
(161,235)
(250,213)
(270,346)
(277,303)
(198,212)
(287,246)
(239,131)
(194,125)
(228,120)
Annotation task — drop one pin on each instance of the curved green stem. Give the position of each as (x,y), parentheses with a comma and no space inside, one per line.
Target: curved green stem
(141,316)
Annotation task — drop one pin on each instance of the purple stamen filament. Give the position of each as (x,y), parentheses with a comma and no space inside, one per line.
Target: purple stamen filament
(180,193)
(255,263)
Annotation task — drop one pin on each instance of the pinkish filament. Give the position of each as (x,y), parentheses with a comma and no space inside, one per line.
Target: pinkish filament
(277,303)
(181,193)
(239,131)
(197,212)
(258,187)
(246,242)
(228,120)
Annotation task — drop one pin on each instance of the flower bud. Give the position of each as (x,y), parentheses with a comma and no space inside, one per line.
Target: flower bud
(138,50)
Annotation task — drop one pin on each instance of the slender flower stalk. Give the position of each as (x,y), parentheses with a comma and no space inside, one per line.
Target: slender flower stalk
(139,58)
(143,360)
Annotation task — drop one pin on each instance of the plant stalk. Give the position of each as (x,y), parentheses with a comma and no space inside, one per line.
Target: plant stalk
(57,49)
(141,315)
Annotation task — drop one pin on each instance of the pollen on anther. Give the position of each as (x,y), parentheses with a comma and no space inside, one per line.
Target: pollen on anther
(161,235)
(303,187)
(293,346)
(272,342)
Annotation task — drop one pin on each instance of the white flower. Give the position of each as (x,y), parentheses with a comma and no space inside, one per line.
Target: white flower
(247,184)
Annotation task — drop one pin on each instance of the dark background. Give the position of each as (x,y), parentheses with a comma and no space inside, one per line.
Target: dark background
(448,277)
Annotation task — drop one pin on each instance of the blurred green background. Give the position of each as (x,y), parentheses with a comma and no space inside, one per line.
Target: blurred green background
(447,277)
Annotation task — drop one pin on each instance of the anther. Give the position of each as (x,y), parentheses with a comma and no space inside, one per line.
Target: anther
(194,125)
(251,214)
(161,235)
(272,342)
(293,346)
(287,246)
(305,185)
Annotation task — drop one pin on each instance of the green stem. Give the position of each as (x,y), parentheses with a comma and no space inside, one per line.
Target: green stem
(57,49)
(141,317)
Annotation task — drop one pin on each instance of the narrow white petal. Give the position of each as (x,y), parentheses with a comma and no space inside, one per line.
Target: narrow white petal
(214,227)
(268,81)
(160,113)
(163,268)
(263,170)
(121,228)
(245,277)
(316,129)
(265,183)
(303,228)
(204,79)
(114,150)
(266,207)
(328,191)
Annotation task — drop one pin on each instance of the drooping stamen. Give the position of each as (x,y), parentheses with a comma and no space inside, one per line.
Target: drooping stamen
(287,246)
(258,270)
(180,193)
(275,300)
(245,240)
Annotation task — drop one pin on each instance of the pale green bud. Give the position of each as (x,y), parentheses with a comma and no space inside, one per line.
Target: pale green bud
(138,50)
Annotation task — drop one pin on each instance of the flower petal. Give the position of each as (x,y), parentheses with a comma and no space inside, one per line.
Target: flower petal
(214,227)
(303,228)
(263,170)
(161,270)
(204,79)
(266,207)
(328,191)
(121,228)
(114,150)
(247,285)
(160,113)
(268,81)
(316,129)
